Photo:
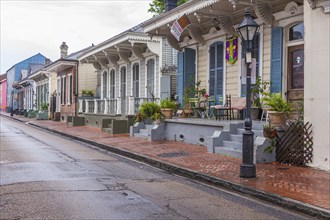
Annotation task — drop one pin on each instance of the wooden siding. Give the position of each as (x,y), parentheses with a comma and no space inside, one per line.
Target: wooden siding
(87,78)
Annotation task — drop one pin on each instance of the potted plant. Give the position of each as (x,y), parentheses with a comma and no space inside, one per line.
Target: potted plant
(268,130)
(146,110)
(88,93)
(167,107)
(157,117)
(279,108)
(257,89)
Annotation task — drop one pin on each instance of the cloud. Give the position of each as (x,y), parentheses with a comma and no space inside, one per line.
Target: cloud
(30,27)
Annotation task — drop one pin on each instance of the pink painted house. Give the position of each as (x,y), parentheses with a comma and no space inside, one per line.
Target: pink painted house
(3,100)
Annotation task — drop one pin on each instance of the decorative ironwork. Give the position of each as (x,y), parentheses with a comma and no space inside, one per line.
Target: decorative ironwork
(295,147)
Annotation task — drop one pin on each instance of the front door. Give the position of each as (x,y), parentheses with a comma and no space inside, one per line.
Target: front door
(295,92)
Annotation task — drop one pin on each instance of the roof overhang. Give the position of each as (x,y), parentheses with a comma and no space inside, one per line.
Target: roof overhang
(39,75)
(121,48)
(61,65)
(212,16)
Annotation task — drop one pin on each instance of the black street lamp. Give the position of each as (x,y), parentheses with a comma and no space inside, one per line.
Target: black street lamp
(247,30)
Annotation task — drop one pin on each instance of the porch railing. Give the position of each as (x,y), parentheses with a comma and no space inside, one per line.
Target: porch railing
(119,106)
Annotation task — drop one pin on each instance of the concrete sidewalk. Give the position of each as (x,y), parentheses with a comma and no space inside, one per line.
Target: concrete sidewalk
(303,189)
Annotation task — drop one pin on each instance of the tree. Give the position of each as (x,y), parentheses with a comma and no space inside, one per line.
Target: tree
(158,6)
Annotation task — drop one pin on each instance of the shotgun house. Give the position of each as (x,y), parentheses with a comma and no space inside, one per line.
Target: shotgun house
(3,85)
(292,34)
(63,83)
(14,75)
(27,88)
(131,66)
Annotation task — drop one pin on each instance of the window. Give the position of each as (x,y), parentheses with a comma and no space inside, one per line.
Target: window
(216,70)
(63,90)
(150,77)
(112,84)
(136,80)
(70,90)
(296,32)
(105,84)
(123,82)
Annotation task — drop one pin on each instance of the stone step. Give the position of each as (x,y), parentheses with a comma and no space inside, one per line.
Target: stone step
(144,132)
(142,136)
(236,138)
(232,144)
(228,151)
(107,130)
(258,133)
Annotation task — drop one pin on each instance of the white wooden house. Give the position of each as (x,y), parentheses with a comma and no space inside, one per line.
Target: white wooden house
(129,67)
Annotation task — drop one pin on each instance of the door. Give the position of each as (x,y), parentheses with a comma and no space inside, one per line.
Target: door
(295,92)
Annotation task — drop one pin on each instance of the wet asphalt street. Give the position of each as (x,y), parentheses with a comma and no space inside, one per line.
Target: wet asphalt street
(45,176)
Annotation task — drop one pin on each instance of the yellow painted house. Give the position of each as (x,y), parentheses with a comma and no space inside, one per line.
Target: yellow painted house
(291,50)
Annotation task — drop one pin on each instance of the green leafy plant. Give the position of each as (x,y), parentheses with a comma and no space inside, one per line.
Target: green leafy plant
(149,108)
(87,92)
(276,102)
(44,106)
(257,89)
(167,103)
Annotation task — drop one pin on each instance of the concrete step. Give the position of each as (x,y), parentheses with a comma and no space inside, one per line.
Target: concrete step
(228,151)
(258,133)
(236,138)
(70,123)
(107,130)
(232,144)
(144,132)
(142,136)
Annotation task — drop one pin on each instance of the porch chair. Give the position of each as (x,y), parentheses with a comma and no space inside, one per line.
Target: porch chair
(238,104)
(224,110)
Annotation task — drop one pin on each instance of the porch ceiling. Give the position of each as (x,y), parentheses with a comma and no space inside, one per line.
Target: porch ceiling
(39,76)
(222,14)
(123,48)
(61,65)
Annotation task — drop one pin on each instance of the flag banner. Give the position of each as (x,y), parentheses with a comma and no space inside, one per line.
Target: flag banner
(179,25)
(231,49)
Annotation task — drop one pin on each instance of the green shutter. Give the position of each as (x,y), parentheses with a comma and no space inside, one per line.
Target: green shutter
(276,60)
(179,77)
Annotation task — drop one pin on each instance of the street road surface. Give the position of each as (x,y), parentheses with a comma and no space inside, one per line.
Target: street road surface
(46,176)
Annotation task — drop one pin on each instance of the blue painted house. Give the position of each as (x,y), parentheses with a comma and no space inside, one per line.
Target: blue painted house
(15,74)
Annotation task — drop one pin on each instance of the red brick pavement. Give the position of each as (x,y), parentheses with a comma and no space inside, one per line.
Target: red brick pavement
(306,185)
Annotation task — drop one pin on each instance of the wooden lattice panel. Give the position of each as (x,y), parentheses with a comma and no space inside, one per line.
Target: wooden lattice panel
(295,147)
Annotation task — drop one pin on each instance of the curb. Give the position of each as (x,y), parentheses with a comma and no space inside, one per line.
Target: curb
(270,197)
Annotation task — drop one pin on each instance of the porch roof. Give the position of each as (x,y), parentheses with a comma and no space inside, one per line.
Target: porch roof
(207,17)
(39,75)
(61,64)
(121,47)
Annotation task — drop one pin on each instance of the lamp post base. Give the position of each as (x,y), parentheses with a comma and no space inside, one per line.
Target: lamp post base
(247,170)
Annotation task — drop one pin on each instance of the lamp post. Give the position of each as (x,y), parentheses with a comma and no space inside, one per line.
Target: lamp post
(247,30)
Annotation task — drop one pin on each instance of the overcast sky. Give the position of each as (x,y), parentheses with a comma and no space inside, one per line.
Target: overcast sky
(30,27)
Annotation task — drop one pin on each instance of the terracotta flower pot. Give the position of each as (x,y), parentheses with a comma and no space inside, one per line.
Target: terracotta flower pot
(167,112)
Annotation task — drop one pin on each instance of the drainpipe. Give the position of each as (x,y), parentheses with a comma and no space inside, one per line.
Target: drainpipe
(76,92)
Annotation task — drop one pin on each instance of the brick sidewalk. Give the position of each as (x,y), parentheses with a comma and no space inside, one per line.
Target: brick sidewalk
(281,183)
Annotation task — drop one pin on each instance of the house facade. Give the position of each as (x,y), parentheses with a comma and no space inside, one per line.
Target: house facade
(131,67)
(291,51)
(3,96)
(14,75)
(57,84)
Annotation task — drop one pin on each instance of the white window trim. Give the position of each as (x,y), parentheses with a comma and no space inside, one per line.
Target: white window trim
(120,67)
(146,75)
(69,96)
(132,93)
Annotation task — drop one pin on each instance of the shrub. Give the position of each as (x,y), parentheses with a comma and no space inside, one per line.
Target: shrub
(167,103)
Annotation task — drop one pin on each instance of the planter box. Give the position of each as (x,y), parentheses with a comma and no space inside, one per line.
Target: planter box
(42,115)
(31,114)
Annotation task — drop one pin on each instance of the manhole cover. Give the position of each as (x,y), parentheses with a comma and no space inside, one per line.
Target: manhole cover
(173,154)
(282,168)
